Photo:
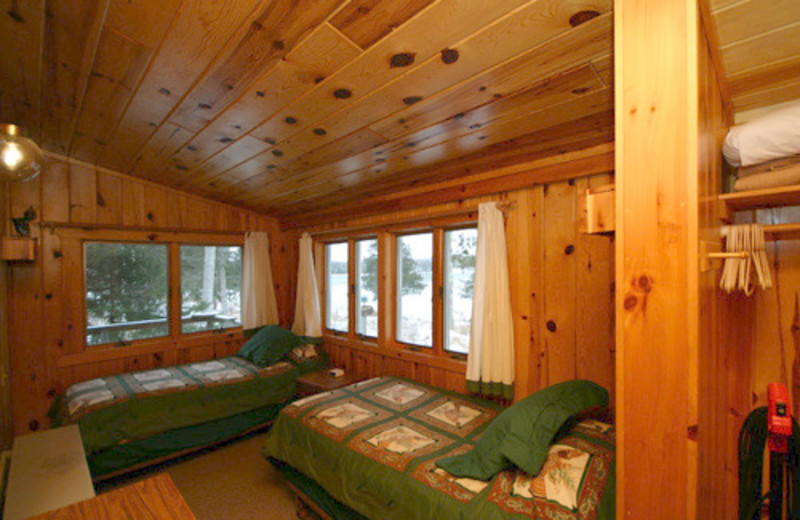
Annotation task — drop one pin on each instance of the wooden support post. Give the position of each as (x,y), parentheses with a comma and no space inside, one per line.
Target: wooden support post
(656,253)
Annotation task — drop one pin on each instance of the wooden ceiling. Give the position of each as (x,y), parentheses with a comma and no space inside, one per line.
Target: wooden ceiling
(292,107)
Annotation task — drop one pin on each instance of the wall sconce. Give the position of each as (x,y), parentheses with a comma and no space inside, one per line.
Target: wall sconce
(20,158)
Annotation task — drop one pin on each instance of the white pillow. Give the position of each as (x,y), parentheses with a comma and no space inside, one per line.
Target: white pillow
(774,135)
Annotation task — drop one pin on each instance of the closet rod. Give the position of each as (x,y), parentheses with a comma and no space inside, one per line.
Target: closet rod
(788,231)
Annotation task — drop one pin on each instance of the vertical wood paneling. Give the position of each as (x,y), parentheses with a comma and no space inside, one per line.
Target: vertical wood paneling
(560,289)
(46,296)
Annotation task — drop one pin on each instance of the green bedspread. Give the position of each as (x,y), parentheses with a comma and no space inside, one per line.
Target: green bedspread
(373,446)
(119,409)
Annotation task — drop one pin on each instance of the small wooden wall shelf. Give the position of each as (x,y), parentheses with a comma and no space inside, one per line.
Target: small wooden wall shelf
(762,199)
(596,210)
(18,249)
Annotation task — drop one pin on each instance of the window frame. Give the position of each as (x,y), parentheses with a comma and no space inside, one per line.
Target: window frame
(74,240)
(387,238)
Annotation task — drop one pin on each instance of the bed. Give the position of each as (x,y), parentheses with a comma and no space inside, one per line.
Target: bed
(378,449)
(134,419)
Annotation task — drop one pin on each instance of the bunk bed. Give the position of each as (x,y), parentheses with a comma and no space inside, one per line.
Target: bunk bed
(134,419)
(390,448)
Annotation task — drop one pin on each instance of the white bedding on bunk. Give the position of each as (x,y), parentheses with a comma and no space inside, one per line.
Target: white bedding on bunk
(774,135)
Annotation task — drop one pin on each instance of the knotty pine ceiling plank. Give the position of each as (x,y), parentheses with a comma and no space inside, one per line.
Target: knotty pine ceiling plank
(770,47)
(319,56)
(764,77)
(280,25)
(545,19)
(118,66)
(198,34)
(753,17)
(780,93)
(367,21)
(21,38)
(152,161)
(597,102)
(143,21)
(72,33)
(436,28)
(573,47)
(564,88)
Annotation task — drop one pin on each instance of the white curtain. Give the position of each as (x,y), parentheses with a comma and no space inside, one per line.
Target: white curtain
(259,306)
(490,362)
(307,316)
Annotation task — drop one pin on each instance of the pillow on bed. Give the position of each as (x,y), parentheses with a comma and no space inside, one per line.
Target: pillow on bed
(268,346)
(522,434)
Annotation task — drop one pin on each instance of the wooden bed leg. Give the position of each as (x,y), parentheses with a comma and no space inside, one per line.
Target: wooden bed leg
(306,508)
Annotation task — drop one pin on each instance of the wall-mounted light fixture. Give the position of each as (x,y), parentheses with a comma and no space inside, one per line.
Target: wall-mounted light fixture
(20,158)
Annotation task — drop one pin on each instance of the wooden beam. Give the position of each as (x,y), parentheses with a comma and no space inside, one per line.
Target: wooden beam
(656,45)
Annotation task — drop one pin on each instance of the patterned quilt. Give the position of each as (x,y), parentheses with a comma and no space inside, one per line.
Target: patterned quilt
(121,408)
(374,445)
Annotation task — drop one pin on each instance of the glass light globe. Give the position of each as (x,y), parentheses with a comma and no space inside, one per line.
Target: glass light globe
(20,158)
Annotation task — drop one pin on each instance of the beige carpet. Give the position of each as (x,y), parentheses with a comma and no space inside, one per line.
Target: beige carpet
(231,482)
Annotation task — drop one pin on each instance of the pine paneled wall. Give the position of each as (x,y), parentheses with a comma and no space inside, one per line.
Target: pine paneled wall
(562,291)
(46,353)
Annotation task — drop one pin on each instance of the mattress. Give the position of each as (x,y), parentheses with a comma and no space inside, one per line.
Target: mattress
(372,447)
(128,418)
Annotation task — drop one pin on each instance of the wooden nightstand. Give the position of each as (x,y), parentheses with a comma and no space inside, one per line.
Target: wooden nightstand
(321,381)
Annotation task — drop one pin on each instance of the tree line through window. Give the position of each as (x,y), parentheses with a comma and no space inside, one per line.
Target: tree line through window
(418,283)
(127,290)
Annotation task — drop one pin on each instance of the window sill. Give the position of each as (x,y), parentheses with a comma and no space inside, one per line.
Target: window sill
(147,346)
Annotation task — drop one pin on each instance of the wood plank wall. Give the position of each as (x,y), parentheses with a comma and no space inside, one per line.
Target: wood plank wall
(562,292)
(6,429)
(46,353)
(719,395)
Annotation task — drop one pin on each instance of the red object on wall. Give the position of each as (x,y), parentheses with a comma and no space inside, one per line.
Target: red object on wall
(779,418)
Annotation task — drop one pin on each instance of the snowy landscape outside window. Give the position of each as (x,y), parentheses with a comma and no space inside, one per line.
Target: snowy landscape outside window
(414,289)
(367,287)
(337,315)
(211,288)
(460,247)
(126,292)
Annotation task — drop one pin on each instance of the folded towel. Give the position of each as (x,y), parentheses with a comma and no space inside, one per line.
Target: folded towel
(773,179)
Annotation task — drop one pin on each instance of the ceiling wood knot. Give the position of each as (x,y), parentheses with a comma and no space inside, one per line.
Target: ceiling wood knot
(182,167)
(320,131)
(277,153)
(278,45)
(342,93)
(569,249)
(449,56)
(402,59)
(150,216)
(482,89)
(204,106)
(580,90)
(164,91)
(225,140)
(260,93)
(410,100)
(551,326)
(291,120)
(319,79)
(582,17)
(191,148)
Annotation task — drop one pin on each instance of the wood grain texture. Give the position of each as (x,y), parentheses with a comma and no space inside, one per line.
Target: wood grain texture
(154,498)
(656,304)
(46,326)
(367,21)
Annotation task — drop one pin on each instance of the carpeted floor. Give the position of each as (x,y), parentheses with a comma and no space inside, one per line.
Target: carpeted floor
(232,482)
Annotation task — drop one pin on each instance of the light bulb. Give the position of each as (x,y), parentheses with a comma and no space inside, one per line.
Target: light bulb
(20,158)
(12,156)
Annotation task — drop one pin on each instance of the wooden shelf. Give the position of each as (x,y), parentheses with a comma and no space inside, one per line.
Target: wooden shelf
(18,249)
(761,199)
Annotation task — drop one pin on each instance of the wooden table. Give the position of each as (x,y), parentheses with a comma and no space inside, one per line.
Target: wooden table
(48,470)
(322,381)
(156,498)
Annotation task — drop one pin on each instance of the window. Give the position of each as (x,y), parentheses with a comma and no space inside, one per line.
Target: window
(337,314)
(129,293)
(211,287)
(414,291)
(367,287)
(126,292)
(426,303)
(460,246)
